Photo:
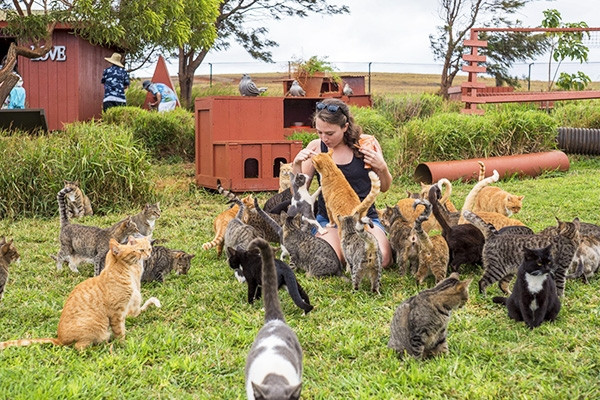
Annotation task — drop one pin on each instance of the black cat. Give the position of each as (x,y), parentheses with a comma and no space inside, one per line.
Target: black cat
(249,263)
(534,298)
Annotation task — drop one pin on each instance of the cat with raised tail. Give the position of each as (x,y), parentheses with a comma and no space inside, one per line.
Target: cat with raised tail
(274,364)
(100,304)
(534,298)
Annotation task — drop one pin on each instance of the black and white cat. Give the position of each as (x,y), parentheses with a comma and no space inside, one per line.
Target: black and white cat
(534,298)
(248,263)
(303,202)
(274,364)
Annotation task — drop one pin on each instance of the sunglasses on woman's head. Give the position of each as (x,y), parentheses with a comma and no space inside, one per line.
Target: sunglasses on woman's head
(332,108)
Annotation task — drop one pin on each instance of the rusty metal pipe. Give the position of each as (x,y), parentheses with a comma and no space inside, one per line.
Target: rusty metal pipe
(579,140)
(523,164)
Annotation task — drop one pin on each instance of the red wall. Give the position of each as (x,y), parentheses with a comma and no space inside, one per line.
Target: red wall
(68,90)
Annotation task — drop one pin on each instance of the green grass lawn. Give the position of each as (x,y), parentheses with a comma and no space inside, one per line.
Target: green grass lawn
(195,346)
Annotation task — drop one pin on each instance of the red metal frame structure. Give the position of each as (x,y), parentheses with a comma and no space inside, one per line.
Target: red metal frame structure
(474,93)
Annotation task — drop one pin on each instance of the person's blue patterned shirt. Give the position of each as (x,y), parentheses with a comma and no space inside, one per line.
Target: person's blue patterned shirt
(115,80)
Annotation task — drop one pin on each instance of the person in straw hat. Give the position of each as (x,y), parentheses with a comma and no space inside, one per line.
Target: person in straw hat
(115,80)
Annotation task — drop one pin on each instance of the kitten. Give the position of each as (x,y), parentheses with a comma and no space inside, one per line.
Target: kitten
(285,179)
(420,324)
(302,201)
(361,250)
(274,364)
(80,243)
(8,254)
(433,254)
(398,229)
(164,260)
(221,221)
(465,242)
(78,204)
(534,298)
(502,254)
(249,262)
(145,219)
(340,198)
(101,303)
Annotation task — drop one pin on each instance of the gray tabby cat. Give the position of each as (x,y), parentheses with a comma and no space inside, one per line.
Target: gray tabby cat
(8,254)
(307,252)
(146,218)
(238,233)
(420,324)
(78,204)
(274,364)
(303,202)
(80,243)
(164,260)
(398,229)
(503,253)
(361,250)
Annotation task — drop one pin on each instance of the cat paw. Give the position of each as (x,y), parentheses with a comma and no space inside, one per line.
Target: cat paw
(322,231)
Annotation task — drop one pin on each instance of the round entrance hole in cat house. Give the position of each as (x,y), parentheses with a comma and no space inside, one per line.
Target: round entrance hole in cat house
(521,164)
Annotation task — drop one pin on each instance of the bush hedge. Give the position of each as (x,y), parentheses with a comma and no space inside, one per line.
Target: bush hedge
(166,135)
(111,167)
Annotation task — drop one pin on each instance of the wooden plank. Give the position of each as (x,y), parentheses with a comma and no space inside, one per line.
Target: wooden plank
(542,96)
(475,43)
(475,99)
(476,85)
(473,68)
(473,58)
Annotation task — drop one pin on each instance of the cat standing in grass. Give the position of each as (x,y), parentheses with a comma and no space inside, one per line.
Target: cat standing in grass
(100,304)
(339,133)
(145,219)
(420,324)
(274,364)
(81,243)
(8,254)
(78,204)
(534,298)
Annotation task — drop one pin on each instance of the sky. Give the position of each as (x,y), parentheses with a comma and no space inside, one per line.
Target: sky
(393,35)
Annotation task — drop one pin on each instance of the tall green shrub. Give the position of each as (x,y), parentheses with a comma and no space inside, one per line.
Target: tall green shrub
(111,167)
(165,135)
(580,114)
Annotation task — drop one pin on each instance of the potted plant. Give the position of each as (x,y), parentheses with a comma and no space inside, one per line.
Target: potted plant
(310,73)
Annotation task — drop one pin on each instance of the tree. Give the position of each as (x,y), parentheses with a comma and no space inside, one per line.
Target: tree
(234,22)
(565,45)
(459,16)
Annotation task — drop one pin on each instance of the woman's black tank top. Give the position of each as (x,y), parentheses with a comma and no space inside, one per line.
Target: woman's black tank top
(358,178)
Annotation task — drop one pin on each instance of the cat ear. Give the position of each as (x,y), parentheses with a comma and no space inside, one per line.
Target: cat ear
(114,246)
(131,240)
(230,251)
(295,394)
(190,256)
(454,275)
(259,391)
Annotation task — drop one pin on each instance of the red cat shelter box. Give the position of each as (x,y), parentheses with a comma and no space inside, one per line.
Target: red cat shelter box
(240,141)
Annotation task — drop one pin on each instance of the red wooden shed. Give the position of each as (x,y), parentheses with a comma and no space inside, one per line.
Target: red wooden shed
(66,81)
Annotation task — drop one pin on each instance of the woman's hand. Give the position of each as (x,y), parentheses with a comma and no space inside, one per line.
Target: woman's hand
(304,155)
(374,158)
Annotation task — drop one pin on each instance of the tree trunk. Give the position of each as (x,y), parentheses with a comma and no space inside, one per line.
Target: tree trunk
(187,68)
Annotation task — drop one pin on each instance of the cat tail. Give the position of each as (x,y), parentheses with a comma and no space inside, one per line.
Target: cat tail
(578,272)
(62,205)
(294,288)
(481,171)
(267,218)
(217,240)
(500,300)
(470,199)
(370,199)
(269,280)
(227,193)
(27,342)
(485,228)
(444,183)
(424,216)
(434,194)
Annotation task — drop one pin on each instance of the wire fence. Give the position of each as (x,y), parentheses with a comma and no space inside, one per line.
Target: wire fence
(537,70)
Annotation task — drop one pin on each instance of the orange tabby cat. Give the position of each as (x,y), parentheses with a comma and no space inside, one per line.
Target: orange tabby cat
(498,220)
(495,199)
(100,302)
(340,198)
(221,221)
(411,214)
